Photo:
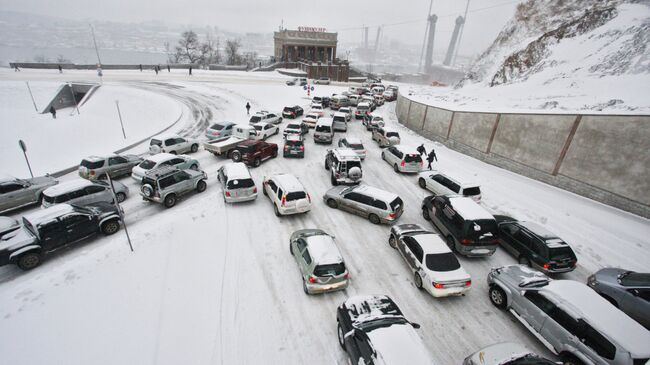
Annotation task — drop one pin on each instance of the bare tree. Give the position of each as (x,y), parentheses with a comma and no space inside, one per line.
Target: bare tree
(209,52)
(61,59)
(41,59)
(232,52)
(172,57)
(188,47)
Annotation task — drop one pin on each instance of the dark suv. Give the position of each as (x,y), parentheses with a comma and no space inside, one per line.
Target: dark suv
(372,327)
(52,228)
(534,246)
(253,152)
(294,146)
(292,111)
(468,228)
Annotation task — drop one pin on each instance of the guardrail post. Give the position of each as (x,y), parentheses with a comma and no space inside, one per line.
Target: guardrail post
(569,139)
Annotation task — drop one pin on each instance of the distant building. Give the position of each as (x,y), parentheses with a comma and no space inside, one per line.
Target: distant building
(305,44)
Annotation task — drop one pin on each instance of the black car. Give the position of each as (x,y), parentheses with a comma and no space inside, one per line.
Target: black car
(294,146)
(535,246)
(292,112)
(55,227)
(372,327)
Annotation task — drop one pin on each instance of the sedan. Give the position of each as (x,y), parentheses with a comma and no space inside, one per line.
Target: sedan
(625,289)
(354,144)
(311,119)
(16,193)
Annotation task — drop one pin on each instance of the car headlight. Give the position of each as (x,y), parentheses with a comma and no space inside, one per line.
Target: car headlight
(591,281)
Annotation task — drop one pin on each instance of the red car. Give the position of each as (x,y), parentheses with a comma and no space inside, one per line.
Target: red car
(253,152)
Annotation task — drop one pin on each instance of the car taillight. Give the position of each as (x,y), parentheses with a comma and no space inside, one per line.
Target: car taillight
(547,266)
(302,148)
(403,163)
(468,283)
(392,215)
(92,172)
(438,285)
(284,200)
(312,279)
(286,147)
(466,241)
(227,193)
(216,133)
(255,189)
(346,275)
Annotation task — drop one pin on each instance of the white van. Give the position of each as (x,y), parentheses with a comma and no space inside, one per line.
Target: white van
(324,131)
(441,183)
(338,101)
(340,122)
(353,100)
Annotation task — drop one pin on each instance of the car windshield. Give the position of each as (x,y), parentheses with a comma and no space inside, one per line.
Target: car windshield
(396,204)
(323,128)
(362,107)
(631,278)
(255,119)
(293,143)
(356,146)
(287,109)
(442,262)
(381,322)
(296,195)
(216,126)
(27,224)
(412,158)
(560,253)
(329,270)
(92,164)
(339,119)
(155,142)
(147,164)
(312,116)
(240,184)
(472,191)
(258,127)
(293,126)
(392,134)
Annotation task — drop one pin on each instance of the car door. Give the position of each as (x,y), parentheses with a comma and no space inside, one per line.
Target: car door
(533,308)
(508,241)
(179,162)
(77,226)
(636,302)
(265,150)
(13,194)
(358,348)
(183,145)
(408,249)
(96,193)
(437,185)
(300,245)
(118,166)
(271,189)
(349,202)
(184,183)
(170,145)
(523,244)
(52,235)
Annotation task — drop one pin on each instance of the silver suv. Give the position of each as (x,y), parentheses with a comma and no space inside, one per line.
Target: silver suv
(167,183)
(321,265)
(377,205)
(344,165)
(97,167)
(570,319)
(16,193)
(83,192)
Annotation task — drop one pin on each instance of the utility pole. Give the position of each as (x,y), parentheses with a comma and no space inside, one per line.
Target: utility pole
(461,33)
(32,95)
(99,61)
(424,41)
(119,114)
(23,147)
(120,211)
(74,99)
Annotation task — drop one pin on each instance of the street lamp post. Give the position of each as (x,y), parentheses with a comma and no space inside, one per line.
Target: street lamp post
(23,147)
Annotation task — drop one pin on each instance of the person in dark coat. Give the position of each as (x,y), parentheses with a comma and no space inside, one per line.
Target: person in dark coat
(421,150)
(190,70)
(140,67)
(432,156)
(60,69)
(53,111)
(155,68)
(248,108)
(169,69)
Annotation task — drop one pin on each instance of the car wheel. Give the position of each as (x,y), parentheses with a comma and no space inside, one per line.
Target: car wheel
(194,148)
(395,168)
(194,167)
(274,154)
(304,287)
(383,157)
(110,227)
(392,241)
(257,162)
(497,297)
(264,191)
(333,179)
(422,183)
(201,186)
(425,214)
(524,261)
(121,197)
(275,209)
(374,219)
(29,260)
(327,166)
(451,243)
(418,281)
(236,155)
(568,359)
(341,335)
(332,203)
(170,200)
(172,152)
(290,249)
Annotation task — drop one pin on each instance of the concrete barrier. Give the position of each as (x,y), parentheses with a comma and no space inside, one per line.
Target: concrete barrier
(602,157)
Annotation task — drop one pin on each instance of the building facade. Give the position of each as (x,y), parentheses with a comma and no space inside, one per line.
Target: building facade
(305,44)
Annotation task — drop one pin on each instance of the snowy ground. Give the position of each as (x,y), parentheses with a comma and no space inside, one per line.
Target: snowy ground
(211,283)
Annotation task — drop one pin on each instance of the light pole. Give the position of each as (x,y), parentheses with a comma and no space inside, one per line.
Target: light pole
(73,99)
(23,147)
(119,114)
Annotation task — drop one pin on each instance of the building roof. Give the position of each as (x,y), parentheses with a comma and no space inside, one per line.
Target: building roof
(67,186)
(288,182)
(469,209)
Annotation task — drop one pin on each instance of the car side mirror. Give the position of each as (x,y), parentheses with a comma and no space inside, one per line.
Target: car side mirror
(415,325)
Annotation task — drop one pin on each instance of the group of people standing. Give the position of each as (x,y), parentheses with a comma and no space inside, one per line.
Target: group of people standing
(430,157)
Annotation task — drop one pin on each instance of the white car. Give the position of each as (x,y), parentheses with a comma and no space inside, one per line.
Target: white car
(442,183)
(173,143)
(311,119)
(402,159)
(265,116)
(265,130)
(385,137)
(322,81)
(163,159)
(347,111)
(287,194)
(354,144)
(317,109)
(435,268)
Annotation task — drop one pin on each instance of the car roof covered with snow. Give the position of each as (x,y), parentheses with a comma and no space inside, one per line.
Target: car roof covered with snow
(363,104)
(431,243)
(6,177)
(463,180)
(288,182)
(48,214)
(339,114)
(312,115)
(294,138)
(161,157)
(399,344)
(409,150)
(67,186)
(346,154)
(376,193)
(237,170)
(362,308)
(325,121)
(353,140)
(469,209)
(261,124)
(323,250)
(165,136)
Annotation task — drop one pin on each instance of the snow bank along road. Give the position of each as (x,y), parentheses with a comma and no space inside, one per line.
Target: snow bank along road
(211,283)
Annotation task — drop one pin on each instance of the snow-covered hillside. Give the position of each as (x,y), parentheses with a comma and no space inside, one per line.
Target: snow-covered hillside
(563,55)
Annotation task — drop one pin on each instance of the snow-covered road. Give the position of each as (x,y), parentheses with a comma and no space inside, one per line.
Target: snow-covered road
(211,283)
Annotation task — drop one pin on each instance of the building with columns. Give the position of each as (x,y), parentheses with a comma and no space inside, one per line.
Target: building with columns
(305,44)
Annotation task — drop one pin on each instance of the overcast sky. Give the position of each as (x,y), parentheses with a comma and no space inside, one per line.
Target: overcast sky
(485,19)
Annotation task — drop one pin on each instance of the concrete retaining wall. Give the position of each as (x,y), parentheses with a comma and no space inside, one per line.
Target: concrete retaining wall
(602,157)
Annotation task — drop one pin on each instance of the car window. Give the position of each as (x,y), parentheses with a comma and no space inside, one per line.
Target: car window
(598,343)
(147,164)
(442,262)
(524,239)
(379,204)
(9,187)
(415,247)
(439,179)
(539,301)
(240,184)
(473,191)
(176,161)
(116,160)
(92,164)
(396,204)
(280,193)
(329,270)
(229,127)
(412,158)
(180,140)
(94,189)
(181,176)
(154,142)
(560,253)
(272,185)
(510,228)
(367,200)
(296,195)
(353,196)
(453,186)
(643,294)
(170,141)
(74,219)
(306,256)
(167,182)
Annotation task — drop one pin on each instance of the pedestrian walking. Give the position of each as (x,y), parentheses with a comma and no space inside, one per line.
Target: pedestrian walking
(53,111)
(248,108)
(190,70)
(60,69)
(421,150)
(169,69)
(16,69)
(432,156)
(155,68)
(140,67)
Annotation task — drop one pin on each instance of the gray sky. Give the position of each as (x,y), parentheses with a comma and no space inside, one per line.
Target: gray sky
(485,20)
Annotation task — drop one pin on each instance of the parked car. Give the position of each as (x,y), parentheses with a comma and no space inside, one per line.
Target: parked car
(467,227)
(347,111)
(370,100)
(164,159)
(372,122)
(535,246)
(317,109)
(173,144)
(311,119)
(403,159)
(385,137)
(570,319)
(237,183)
(324,101)
(340,122)
(83,192)
(443,183)
(434,267)
(294,146)
(339,101)
(224,146)
(95,167)
(319,260)
(390,95)
(252,152)
(354,144)
(292,112)
(363,108)
(295,127)
(287,194)
(297,81)
(506,353)
(219,130)
(322,81)
(166,184)
(324,131)
(266,117)
(627,290)
(372,330)
(50,229)
(344,166)
(379,99)
(265,130)
(8,225)
(353,100)
(17,193)
(377,205)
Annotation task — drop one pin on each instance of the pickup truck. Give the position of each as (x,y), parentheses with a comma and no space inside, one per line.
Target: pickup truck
(224,146)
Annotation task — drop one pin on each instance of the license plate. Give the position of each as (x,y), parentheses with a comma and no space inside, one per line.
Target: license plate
(293,152)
